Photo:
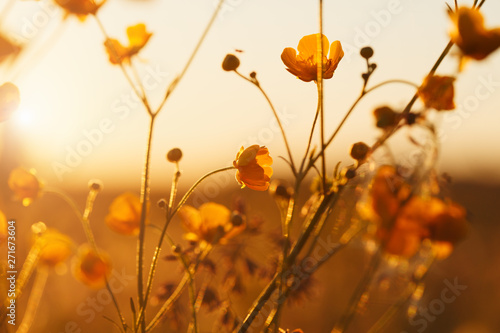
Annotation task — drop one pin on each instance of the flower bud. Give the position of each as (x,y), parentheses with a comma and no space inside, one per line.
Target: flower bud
(385,117)
(253,75)
(236,219)
(174,155)
(366,52)
(95,184)
(359,151)
(230,63)
(162,203)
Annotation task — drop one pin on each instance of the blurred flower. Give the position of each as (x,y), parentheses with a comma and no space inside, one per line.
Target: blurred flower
(305,64)
(7,48)
(55,247)
(25,185)
(254,167)
(385,117)
(124,215)
(211,223)
(80,8)
(137,38)
(359,151)
(91,268)
(470,34)
(437,92)
(9,99)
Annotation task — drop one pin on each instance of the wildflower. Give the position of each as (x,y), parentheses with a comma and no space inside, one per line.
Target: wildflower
(254,167)
(210,223)
(80,8)
(470,34)
(90,267)
(124,215)
(55,247)
(230,63)
(137,37)
(25,185)
(9,100)
(305,64)
(437,92)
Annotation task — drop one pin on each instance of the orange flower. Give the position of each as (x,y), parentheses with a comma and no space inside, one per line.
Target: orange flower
(80,8)
(25,185)
(137,38)
(7,48)
(55,247)
(254,167)
(305,64)
(124,215)
(210,223)
(9,100)
(470,34)
(437,92)
(91,268)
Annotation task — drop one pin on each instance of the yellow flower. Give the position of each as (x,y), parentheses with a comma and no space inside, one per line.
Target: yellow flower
(124,215)
(470,34)
(80,8)
(137,38)
(9,100)
(55,247)
(305,64)
(25,185)
(254,167)
(91,268)
(437,92)
(211,223)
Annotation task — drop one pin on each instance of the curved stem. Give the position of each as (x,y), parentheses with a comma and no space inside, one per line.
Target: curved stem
(176,81)
(156,255)
(257,84)
(310,137)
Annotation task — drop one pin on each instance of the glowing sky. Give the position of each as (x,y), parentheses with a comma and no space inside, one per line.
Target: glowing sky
(78,110)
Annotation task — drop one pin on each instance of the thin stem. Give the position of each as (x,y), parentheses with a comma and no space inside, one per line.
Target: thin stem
(145,189)
(86,215)
(169,216)
(176,81)
(178,291)
(358,293)
(42,274)
(320,69)
(255,82)
(310,137)
(173,189)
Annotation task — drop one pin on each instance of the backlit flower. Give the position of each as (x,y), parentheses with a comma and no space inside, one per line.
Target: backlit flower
(55,247)
(470,34)
(91,268)
(25,185)
(124,215)
(9,100)
(7,48)
(254,167)
(437,92)
(305,64)
(137,39)
(80,8)
(211,223)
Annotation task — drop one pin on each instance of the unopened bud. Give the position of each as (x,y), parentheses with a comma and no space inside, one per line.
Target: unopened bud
(253,75)
(236,219)
(359,151)
(174,155)
(95,185)
(230,63)
(162,203)
(366,52)
(385,117)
